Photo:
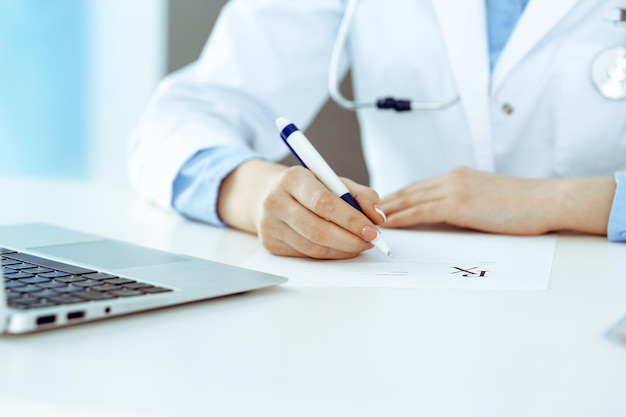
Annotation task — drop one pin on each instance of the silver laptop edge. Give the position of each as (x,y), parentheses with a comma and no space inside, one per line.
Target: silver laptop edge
(190,279)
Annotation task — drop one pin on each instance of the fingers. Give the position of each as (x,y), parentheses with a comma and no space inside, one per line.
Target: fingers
(287,242)
(421,213)
(316,198)
(421,191)
(339,228)
(420,203)
(303,218)
(369,201)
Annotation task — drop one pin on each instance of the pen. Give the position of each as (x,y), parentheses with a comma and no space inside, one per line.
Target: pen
(308,156)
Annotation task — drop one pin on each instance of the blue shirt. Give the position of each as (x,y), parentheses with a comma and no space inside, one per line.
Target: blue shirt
(196,188)
(502,16)
(197,185)
(617,219)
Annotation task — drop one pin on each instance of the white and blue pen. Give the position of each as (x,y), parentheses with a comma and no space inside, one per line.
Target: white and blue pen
(308,156)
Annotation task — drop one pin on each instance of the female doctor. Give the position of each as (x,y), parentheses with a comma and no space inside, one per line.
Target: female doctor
(508,132)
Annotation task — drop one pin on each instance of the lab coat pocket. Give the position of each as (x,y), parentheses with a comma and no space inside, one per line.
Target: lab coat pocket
(590,129)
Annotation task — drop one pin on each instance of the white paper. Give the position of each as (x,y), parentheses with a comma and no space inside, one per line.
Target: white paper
(427,259)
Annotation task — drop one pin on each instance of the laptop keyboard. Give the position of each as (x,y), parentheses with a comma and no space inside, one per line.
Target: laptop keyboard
(34,282)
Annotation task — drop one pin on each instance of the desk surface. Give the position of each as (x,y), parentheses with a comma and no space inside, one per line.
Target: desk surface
(318,351)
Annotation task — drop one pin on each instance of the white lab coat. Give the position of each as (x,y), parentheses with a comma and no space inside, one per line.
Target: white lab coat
(267,58)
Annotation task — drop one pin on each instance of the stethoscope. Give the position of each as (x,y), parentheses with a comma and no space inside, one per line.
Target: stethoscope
(386,103)
(608,71)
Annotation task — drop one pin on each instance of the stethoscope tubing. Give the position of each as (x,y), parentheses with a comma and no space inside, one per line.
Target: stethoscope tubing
(385,103)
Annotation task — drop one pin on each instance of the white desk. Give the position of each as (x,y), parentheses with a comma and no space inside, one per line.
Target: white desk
(318,352)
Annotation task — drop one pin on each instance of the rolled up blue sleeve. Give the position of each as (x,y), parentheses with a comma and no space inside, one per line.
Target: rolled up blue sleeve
(617,220)
(197,185)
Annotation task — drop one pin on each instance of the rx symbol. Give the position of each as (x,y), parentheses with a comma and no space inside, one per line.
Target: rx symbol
(469,272)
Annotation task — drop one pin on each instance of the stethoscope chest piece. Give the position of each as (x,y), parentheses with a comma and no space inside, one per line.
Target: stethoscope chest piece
(608,73)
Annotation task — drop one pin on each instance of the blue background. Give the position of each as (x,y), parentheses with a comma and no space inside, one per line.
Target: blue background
(43,94)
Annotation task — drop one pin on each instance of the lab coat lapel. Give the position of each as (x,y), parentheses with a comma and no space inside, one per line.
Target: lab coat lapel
(536,21)
(463,27)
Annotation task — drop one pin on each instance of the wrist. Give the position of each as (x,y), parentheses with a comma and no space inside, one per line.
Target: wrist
(582,204)
(241,192)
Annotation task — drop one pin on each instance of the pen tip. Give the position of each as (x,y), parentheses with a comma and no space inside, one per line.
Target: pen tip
(282,122)
(389,254)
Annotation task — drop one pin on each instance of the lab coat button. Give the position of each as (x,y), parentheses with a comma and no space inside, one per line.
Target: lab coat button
(507,108)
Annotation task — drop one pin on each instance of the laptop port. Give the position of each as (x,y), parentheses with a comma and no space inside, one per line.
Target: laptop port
(75,315)
(46,319)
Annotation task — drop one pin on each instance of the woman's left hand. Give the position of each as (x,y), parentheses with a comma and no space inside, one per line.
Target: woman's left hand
(498,203)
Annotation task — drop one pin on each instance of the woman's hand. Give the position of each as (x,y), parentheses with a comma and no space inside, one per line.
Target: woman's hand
(296,215)
(503,204)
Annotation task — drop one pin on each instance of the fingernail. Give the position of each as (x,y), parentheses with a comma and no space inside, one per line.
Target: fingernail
(381,212)
(369,233)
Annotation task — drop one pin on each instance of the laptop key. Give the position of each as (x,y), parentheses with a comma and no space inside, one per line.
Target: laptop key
(38,270)
(4,250)
(43,304)
(35,280)
(154,290)
(14,295)
(94,295)
(119,281)
(126,293)
(52,284)
(87,283)
(7,271)
(106,287)
(19,275)
(17,306)
(137,285)
(70,279)
(27,289)
(20,266)
(69,289)
(54,274)
(14,284)
(46,294)
(25,300)
(99,276)
(66,299)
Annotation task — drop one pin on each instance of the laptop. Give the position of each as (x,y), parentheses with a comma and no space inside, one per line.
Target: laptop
(54,277)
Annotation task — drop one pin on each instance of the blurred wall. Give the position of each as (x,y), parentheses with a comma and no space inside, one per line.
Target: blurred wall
(75,75)
(127,47)
(43,95)
(190,23)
